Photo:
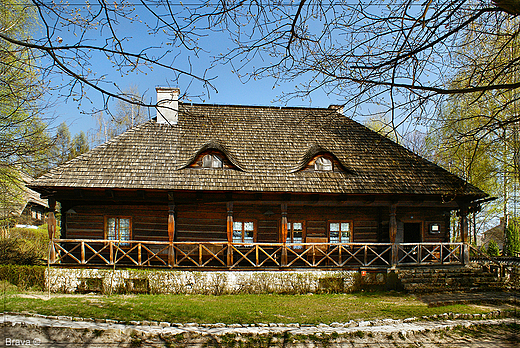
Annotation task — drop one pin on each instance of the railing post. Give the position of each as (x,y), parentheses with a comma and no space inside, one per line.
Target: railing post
(229,233)
(111,247)
(394,252)
(419,253)
(83,252)
(51,229)
(200,254)
(393,233)
(284,235)
(465,254)
(171,228)
(139,262)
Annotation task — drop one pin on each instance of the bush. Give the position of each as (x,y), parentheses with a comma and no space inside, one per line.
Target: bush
(493,249)
(15,251)
(24,246)
(24,277)
(512,247)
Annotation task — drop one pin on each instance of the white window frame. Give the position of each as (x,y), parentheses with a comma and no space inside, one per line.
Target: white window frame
(323,164)
(212,161)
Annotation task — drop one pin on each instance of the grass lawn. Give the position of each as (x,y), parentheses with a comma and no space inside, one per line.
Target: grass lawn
(305,309)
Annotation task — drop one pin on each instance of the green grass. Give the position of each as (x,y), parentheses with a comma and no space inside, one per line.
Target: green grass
(309,309)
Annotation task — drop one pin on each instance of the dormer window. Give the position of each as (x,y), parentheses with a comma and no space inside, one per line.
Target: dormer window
(211,161)
(323,163)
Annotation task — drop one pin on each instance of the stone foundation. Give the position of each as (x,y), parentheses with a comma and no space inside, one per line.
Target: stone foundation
(216,283)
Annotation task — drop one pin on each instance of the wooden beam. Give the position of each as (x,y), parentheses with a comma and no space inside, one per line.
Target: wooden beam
(171,232)
(229,230)
(392,234)
(284,233)
(51,228)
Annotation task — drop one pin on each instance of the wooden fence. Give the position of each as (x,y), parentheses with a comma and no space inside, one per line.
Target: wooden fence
(221,255)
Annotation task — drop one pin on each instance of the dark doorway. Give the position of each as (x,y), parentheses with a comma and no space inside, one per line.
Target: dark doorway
(412,233)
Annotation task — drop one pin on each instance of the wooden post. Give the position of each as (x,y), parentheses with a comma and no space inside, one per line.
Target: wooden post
(51,229)
(464,233)
(284,234)
(229,233)
(171,231)
(392,234)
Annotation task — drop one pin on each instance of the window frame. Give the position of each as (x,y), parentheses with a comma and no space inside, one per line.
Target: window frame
(290,231)
(122,242)
(351,231)
(214,157)
(243,221)
(321,157)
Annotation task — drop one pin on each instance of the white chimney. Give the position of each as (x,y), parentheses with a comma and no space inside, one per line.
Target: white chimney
(168,105)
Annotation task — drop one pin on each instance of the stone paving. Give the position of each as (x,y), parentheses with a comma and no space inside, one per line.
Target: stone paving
(146,328)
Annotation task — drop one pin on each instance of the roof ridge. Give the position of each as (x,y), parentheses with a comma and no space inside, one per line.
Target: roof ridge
(261,106)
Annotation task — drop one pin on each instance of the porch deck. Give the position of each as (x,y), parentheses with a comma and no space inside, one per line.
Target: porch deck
(249,256)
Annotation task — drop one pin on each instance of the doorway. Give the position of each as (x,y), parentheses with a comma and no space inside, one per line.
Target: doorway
(412,232)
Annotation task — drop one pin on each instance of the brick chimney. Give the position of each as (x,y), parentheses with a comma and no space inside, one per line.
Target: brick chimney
(168,105)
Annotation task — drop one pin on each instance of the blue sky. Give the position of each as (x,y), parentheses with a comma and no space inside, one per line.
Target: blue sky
(230,89)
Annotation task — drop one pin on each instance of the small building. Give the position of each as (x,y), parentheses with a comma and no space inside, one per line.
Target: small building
(236,187)
(20,204)
(496,233)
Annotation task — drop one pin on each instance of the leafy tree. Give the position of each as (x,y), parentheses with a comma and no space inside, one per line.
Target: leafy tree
(61,150)
(23,137)
(512,246)
(475,135)
(65,149)
(79,145)
(493,249)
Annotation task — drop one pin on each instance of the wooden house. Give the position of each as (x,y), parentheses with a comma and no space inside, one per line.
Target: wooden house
(250,186)
(21,205)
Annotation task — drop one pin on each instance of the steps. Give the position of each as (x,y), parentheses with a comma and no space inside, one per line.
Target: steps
(473,277)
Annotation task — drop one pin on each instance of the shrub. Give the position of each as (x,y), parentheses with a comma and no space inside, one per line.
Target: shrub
(24,277)
(512,247)
(493,249)
(15,251)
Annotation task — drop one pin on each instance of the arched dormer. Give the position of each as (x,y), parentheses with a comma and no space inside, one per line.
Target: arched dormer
(212,156)
(318,159)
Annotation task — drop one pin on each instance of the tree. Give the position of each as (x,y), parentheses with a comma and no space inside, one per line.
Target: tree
(395,53)
(474,136)
(79,145)
(126,116)
(24,140)
(61,150)
(493,249)
(64,149)
(512,245)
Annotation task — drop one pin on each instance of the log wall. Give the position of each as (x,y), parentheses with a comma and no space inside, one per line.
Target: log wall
(207,222)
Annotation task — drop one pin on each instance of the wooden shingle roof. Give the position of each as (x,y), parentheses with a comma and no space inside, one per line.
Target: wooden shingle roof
(268,147)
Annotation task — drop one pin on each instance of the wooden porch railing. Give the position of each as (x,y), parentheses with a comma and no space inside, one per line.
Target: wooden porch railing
(222,255)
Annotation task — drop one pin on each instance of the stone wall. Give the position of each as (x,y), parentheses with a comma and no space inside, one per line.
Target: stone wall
(463,278)
(188,282)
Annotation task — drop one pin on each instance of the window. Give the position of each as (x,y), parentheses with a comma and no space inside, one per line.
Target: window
(243,232)
(211,161)
(295,233)
(339,232)
(323,164)
(118,228)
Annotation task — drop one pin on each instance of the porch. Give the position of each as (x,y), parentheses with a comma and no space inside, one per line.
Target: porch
(251,256)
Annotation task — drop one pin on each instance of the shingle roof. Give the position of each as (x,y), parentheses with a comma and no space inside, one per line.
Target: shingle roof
(268,146)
